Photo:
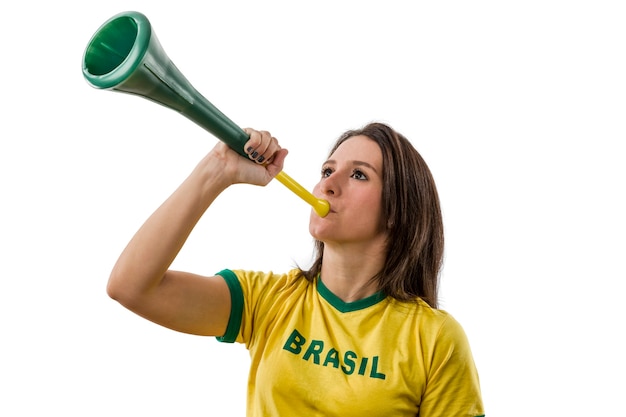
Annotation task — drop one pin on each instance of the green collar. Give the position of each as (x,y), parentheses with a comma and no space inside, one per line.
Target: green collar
(343,306)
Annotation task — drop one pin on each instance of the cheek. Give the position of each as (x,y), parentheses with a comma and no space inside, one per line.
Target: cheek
(372,201)
(374,214)
(316,190)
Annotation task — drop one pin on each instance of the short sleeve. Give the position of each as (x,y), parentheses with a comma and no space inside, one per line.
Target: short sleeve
(452,387)
(236,310)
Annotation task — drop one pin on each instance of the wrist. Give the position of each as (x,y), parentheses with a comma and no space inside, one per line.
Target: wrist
(211,176)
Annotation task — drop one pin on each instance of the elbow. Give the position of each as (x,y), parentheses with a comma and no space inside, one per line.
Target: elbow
(115,287)
(120,289)
(125,288)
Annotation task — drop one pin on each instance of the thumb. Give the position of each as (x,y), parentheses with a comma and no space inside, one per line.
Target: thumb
(276,165)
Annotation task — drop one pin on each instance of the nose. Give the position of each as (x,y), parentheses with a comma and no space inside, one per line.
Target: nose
(329,186)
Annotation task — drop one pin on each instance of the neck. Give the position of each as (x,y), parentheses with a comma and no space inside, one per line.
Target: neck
(348,271)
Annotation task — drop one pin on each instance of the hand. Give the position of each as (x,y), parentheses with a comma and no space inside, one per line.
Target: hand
(261,146)
(264,150)
(266,159)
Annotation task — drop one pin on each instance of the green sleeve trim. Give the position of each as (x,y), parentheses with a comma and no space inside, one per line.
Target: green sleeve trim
(236,309)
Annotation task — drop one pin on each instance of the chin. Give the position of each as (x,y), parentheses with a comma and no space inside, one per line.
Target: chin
(318,232)
(314,233)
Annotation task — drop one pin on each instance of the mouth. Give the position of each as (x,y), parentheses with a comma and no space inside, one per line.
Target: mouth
(322,215)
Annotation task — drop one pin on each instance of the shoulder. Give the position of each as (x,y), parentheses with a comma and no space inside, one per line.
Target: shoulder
(264,278)
(254,294)
(257,283)
(453,382)
(431,324)
(418,309)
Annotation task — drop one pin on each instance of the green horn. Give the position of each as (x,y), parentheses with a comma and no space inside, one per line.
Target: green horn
(125,55)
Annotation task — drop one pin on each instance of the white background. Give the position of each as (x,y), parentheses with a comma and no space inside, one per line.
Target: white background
(518,107)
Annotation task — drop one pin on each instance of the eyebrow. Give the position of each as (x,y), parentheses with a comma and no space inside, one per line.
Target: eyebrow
(354,162)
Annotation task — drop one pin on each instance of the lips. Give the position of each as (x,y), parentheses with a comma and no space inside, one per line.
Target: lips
(332,208)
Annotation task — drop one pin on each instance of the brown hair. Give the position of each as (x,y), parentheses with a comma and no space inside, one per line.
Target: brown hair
(414,221)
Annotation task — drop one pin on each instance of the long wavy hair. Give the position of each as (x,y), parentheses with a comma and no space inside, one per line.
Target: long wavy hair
(414,252)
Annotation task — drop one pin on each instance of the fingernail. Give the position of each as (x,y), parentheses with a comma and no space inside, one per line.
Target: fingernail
(254,154)
(261,159)
(249,149)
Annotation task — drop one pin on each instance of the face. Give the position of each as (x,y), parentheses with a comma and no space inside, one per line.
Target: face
(351,181)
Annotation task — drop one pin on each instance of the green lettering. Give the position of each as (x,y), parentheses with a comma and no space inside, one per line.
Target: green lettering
(315,348)
(294,342)
(363,366)
(374,373)
(348,357)
(332,357)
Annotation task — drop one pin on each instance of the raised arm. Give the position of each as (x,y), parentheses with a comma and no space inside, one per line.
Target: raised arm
(141,280)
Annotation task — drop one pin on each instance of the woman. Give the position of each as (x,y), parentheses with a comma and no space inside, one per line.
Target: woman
(359,333)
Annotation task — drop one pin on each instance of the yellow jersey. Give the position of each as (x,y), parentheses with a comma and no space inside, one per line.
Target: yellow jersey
(314,355)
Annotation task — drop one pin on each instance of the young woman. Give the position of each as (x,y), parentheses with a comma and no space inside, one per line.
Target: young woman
(359,333)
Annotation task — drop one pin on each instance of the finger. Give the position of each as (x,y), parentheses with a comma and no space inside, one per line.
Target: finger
(257,144)
(276,165)
(253,141)
(266,143)
(261,146)
(267,155)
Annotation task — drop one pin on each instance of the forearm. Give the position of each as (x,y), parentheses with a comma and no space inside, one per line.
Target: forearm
(145,260)
(141,279)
